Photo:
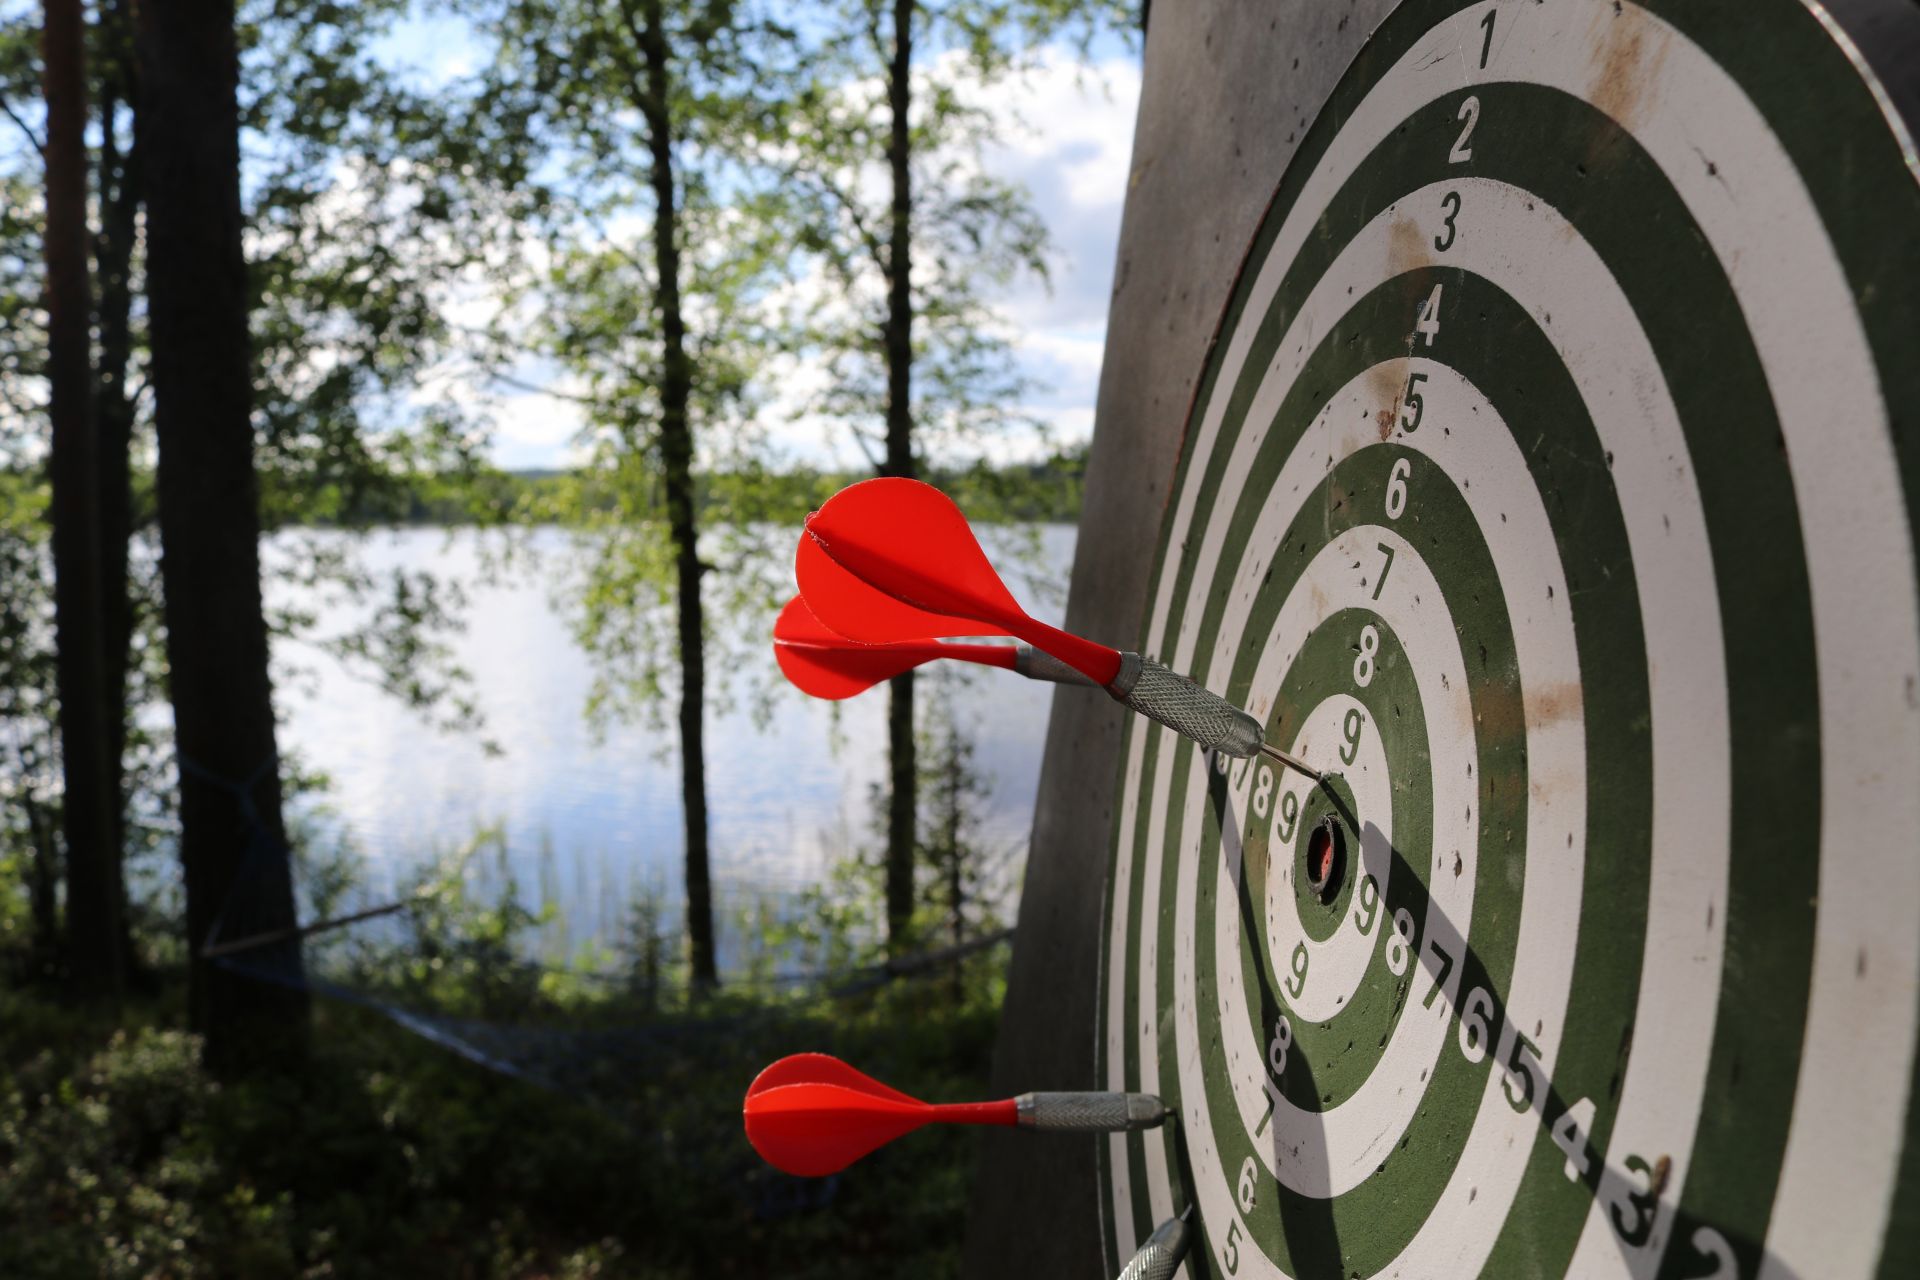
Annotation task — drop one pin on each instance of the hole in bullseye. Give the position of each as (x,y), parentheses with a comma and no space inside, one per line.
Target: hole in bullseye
(1326,858)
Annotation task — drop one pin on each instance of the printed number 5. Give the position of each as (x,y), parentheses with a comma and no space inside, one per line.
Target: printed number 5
(1232,1249)
(1415,406)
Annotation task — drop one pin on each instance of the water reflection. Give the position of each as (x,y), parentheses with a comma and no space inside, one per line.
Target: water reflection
(591,820)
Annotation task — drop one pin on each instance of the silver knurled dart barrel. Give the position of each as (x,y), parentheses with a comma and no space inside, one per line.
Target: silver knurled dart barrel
(1160,1256)
(1166,696)
(1089,1112)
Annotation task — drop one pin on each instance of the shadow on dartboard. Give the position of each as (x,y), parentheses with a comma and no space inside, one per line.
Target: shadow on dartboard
(1311,1232)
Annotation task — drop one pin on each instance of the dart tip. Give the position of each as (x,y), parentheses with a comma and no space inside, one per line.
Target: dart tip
(1187,1215)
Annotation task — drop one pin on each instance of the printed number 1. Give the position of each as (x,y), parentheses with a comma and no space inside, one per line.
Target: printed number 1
(1486,44)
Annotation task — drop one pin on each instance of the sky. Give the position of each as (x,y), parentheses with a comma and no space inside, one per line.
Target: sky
(1067,137)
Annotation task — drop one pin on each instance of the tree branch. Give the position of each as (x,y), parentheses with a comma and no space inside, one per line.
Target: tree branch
(34,138)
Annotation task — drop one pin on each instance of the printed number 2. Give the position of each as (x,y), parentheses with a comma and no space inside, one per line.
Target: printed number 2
(1470,113)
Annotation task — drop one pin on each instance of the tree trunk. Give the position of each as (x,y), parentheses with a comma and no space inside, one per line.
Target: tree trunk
(676,456)
(903,800)
(232,841)
(951,815)
(93,861)
(119,189)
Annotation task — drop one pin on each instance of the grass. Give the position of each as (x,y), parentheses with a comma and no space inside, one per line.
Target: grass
(386,1156)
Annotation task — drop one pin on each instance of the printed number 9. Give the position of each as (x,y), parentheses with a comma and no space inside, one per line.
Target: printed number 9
(1351,727)
(1286,815)
(1401,941)
(1363,665)
(1298,982)
(1369,909)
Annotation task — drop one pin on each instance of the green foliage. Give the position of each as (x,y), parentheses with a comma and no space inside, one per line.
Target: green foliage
(971,233)
(121,1157)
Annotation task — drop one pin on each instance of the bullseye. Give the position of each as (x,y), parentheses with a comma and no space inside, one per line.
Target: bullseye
(1326,855)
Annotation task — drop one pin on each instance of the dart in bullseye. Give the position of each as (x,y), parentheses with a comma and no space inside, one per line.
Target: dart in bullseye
(826,664)
(893,560)
(811,1114)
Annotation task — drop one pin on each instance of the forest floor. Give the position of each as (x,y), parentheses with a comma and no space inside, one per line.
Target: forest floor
(388,1156)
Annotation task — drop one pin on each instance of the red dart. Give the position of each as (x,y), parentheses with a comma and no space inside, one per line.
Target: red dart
(811,1114)
(828,665)
(908,540)
(899,538)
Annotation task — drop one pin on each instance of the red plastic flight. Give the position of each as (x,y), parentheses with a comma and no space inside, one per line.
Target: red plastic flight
(892,560)
(812,1114)
(828,665)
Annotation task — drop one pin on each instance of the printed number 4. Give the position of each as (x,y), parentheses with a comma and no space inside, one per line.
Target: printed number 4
(1428,326)
(1570,1135)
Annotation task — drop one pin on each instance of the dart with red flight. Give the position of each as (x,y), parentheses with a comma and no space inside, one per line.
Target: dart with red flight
(893,560)
(825,664)
(811,1114)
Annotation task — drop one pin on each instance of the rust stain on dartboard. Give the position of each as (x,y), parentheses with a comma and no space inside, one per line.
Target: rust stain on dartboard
(1407,251)
(1628,49)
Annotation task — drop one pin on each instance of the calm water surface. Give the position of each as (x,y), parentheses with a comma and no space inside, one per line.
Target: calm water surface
(592,820)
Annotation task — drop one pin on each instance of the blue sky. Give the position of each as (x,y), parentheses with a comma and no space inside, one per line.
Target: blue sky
(1067,137)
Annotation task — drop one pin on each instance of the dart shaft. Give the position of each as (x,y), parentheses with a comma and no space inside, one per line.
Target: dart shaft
(1089,1112)
(1038,664)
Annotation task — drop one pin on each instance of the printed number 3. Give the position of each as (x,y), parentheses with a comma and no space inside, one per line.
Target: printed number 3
(1451,203)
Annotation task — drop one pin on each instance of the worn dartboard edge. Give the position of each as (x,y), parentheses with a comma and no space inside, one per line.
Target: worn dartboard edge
(1550,482)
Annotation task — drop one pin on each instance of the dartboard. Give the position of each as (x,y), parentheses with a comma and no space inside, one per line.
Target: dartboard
(1548,486)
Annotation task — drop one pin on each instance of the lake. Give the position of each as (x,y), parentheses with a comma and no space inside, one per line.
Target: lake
(592,820)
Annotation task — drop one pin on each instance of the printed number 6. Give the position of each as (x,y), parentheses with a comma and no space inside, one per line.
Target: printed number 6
(1397,488)
(1246,1186)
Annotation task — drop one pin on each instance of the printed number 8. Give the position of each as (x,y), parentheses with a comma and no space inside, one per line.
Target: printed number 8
(1401,941)
(1363,665)
(1278,1046)
(1263,792)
